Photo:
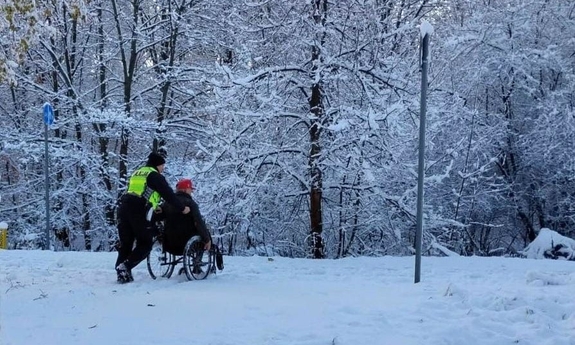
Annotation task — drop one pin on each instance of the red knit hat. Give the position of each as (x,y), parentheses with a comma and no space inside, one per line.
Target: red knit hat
(184,183)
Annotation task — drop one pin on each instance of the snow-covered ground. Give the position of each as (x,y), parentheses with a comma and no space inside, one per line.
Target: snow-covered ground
(72,298)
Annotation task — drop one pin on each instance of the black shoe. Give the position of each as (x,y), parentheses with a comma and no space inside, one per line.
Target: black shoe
(124,274)
(197,270)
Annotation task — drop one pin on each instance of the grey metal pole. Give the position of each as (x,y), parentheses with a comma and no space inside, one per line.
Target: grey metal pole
(421,167)
(48,120)
(47,188)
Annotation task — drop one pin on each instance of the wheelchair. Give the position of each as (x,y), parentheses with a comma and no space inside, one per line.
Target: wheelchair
(197,262)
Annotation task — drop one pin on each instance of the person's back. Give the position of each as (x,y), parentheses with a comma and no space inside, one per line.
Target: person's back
(178,227)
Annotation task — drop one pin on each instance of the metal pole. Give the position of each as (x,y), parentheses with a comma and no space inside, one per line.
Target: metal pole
(421,167)
(47,187)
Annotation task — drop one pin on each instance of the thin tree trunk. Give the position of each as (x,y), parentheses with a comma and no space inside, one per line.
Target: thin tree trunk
(128,67)
(100,128)
(316,108)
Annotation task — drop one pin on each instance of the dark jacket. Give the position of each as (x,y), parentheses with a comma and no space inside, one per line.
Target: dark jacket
(158,182)
(179,228)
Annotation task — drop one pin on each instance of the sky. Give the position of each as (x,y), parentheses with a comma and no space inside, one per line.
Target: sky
(69,298)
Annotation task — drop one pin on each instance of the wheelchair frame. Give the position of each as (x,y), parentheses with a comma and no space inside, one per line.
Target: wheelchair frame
(197,262)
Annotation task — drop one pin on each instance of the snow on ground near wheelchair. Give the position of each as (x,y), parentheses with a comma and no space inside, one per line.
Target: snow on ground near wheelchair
(72,298)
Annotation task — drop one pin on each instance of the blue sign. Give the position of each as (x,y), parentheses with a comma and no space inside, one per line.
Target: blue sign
(48,114)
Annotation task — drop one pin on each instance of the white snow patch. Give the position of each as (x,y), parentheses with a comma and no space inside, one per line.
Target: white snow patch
(548,239)
(69,298)
(425,28)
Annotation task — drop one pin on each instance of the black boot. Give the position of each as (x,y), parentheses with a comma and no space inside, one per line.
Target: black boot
(124,274)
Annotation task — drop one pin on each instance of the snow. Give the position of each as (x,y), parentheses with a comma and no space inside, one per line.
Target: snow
(546,240)
(340,126)
(72,298)
(426,28)
(372,120)
(443,249)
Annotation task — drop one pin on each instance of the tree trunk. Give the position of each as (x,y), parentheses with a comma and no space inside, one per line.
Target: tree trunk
(317,110)
(100,128)
(128,61)
(165,61)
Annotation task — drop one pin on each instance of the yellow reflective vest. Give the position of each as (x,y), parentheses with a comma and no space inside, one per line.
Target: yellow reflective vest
(137,185)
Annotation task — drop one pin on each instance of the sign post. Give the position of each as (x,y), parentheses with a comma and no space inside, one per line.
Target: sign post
(48,121)
(426,30)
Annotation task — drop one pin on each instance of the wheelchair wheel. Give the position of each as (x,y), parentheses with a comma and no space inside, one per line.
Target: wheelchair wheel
(198,262)
(160,263)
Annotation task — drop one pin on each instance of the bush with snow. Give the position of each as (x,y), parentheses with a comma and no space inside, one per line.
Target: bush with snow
(550,245)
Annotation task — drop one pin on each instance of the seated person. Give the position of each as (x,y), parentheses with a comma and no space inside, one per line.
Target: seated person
(179,227)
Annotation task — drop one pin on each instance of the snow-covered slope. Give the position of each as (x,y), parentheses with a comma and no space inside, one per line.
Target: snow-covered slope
(72,298)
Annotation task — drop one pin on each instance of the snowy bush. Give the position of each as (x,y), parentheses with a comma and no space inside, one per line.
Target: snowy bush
(550,245)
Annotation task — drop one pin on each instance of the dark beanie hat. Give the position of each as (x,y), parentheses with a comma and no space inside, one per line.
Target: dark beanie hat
(155,159)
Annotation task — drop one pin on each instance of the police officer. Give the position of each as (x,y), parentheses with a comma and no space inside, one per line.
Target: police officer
(145,189)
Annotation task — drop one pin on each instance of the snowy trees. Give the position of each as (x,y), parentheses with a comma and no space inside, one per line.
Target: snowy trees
(322,89)
(94,62)
(296,121)
(514,80)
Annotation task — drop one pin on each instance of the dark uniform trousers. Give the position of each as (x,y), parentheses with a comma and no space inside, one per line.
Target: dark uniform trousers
(133,226)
